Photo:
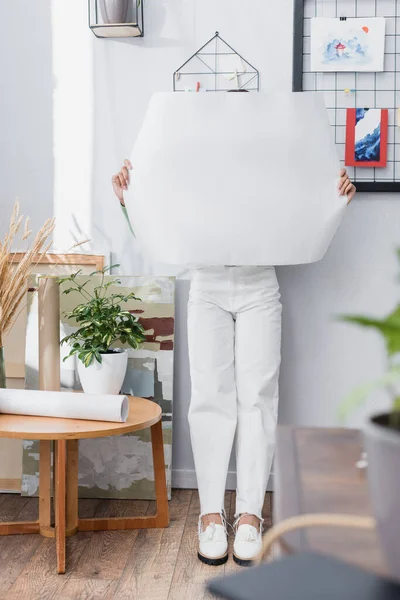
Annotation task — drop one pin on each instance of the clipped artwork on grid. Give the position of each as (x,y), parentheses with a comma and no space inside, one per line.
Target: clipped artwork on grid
(117,466)
(366,137)
(347,45)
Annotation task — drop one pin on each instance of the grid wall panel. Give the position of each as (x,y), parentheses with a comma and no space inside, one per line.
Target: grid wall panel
(372,90)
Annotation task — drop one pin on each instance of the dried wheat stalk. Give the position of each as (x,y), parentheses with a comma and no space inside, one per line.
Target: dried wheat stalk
(14,277)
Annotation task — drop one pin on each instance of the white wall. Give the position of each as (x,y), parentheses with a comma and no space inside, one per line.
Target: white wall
(26,122)
(322,360)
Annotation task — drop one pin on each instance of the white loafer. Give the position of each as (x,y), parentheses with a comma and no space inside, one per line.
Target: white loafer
(213,543)
(247,544)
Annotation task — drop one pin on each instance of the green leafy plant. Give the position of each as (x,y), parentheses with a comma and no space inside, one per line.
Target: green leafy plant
(389,328)
(101,318)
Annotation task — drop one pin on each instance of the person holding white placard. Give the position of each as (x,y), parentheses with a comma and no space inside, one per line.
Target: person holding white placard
(234,330)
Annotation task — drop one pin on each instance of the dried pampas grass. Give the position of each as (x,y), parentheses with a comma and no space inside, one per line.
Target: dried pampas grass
(14,277)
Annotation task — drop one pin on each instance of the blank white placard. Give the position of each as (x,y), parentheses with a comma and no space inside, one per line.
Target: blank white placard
(235,179)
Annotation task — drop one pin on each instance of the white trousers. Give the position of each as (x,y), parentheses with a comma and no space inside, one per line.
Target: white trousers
(234,331)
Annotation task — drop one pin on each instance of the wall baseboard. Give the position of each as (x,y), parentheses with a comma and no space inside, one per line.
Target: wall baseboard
(10,485)
(181,478)
(186,479)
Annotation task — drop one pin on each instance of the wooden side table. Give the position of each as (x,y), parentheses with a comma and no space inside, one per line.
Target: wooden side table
(65,433)
(316,473)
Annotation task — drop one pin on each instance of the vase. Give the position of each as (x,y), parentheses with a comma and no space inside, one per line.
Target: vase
(383,448)
(106,377)
(114,11)
(2,369)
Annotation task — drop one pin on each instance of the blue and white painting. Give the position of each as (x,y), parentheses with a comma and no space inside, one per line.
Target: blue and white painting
(367,143)
(347,45)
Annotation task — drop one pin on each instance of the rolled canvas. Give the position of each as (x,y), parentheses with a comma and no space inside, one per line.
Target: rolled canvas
(65,405)
(235,179)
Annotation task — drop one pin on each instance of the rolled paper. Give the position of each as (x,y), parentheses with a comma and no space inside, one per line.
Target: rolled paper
(235,179)
(64,405)
(49,333)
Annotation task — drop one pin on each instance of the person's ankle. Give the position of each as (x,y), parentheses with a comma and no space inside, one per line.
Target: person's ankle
(206,520)
(247,519)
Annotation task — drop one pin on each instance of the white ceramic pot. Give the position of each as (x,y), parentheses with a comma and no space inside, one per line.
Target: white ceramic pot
(383,451)
(106,377)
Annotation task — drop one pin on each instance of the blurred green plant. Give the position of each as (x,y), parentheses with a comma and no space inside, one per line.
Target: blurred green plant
(389,328)
(102,320)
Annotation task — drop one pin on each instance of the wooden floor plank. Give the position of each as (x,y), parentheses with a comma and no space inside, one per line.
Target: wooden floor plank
(29,511)
(39,579)
(150,566)
(231,566)
(92,507)
(16,550)
(190,575)
(89,589)
(11,505)
(106,554)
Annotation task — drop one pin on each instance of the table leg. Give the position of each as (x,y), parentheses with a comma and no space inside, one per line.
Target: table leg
(45,488)
(55,450)
(161,519)
(60,488)
(72,486)
(160,480)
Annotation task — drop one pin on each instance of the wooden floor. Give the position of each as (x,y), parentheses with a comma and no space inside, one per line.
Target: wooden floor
(153,564)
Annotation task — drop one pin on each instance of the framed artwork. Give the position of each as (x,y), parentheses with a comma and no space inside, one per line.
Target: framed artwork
(347,45)
(55,264)
(366,137)
(14,343)
(117,466)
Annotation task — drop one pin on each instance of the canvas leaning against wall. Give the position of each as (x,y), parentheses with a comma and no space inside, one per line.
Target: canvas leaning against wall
(14,343)
(117,466)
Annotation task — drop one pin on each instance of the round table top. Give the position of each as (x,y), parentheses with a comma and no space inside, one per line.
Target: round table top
(142,413)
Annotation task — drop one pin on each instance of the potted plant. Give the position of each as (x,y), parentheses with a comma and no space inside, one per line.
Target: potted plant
(382,439)
(102,323)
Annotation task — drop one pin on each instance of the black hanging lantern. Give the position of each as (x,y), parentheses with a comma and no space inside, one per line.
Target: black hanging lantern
(116,18)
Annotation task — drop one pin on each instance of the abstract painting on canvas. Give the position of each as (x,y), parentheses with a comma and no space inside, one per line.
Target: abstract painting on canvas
(366,137)
(347,45)
(117,466)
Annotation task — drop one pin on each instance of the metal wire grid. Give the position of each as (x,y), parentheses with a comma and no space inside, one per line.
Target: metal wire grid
(211,75)
(372,90)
